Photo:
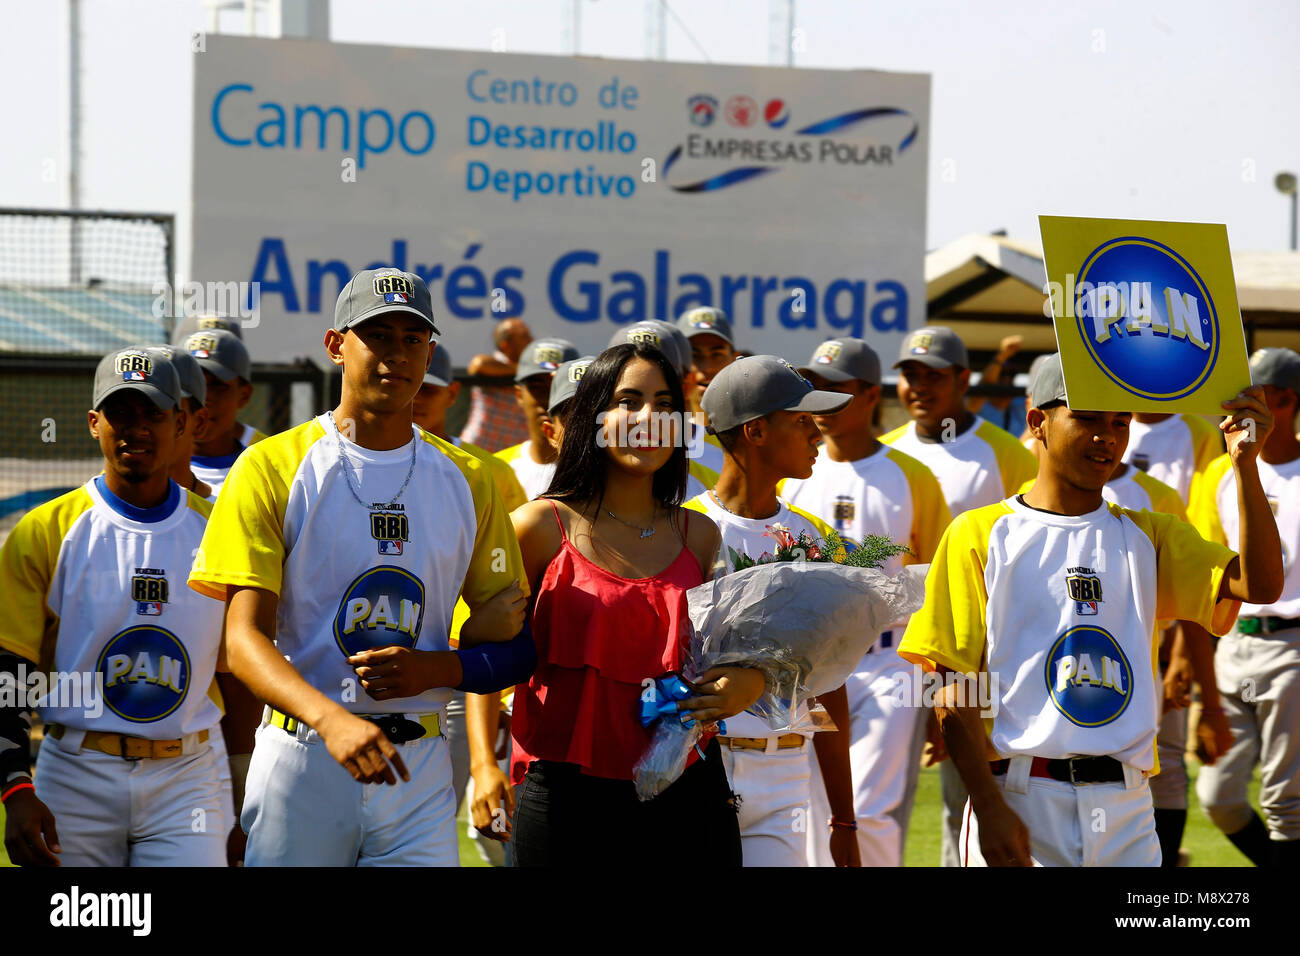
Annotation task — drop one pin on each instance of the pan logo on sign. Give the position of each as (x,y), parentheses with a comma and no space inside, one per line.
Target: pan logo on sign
(1147,319)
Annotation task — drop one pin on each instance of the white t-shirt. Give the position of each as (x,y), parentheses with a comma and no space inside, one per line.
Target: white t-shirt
(1062,611)
(1215,514)
(982,465)
(1173,450)
(353,576)
(213,469)
(533,477)
(748,536)
(110,580)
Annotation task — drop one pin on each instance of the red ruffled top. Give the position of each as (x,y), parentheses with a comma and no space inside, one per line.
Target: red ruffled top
(598,637)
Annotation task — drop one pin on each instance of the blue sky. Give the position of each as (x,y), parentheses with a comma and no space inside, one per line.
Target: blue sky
(1133,109)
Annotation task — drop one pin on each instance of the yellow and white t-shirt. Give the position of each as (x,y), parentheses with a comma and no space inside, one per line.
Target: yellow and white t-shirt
(1137,491)
(508,487)
(213,469)
(982,465)
(94,589)
(533,477)
(1174,451)
(351,576)
(1061,612)
(707,466)
(1214,512)
(887,493)
(750,536)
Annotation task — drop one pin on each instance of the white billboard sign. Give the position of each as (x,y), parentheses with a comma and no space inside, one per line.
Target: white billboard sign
(581,194)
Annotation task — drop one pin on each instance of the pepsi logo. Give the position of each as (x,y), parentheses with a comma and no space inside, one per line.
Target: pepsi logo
(1146,318)
(742,111)
(776,113)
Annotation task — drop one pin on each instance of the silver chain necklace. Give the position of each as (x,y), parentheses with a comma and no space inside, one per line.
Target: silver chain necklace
(714,494)
(354,485)
(645,532)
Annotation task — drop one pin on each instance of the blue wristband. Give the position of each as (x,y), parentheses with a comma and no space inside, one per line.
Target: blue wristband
(488,668)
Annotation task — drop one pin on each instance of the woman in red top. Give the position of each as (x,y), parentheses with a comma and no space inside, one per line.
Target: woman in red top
(610,554)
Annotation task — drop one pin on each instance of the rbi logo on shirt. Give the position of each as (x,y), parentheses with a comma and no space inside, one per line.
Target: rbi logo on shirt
(1157,337)
(390,529)
(149,592)
(383,606)
(1084,587)
(1088,677)
(146,673)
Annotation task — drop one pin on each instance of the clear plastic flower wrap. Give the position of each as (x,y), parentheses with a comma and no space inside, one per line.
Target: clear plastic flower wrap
(805,624)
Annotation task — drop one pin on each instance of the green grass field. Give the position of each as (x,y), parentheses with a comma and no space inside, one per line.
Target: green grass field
(1207,845)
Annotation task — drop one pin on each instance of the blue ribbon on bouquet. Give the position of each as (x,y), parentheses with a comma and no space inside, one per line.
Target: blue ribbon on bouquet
(668,691)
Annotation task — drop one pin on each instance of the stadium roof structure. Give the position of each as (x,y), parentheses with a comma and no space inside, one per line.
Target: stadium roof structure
(82,321)
(989,286)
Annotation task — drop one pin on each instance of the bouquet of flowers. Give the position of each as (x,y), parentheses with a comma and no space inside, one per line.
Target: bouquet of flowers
(803,614)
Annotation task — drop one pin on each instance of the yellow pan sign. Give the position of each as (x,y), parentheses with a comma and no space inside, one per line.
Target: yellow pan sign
(1146,314)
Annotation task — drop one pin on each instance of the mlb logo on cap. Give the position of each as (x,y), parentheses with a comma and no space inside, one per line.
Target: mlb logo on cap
(133,376)
(549,358)
(921,343)
(395,297)
(827,353)
(390,547)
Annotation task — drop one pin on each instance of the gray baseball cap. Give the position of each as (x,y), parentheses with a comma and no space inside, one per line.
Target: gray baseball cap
(659,334)
(376,291)
(221,353)
(188,370)
(139,368)
(1034,367)
(706,320)
(844,360)
(544,356)
(758,385)
(204,323)
(1048,384)
(1280,367)
(439,372)
(935,346)
(565,381)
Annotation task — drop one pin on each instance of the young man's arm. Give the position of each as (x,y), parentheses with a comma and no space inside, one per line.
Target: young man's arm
(1004,838)
(1256,575)
(833,758)
(359,745)
(30,836)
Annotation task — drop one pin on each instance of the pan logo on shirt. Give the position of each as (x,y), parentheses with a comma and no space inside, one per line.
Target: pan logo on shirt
(1084,588)
(1088,677)
(149,591)
(383,606)
(146,672)
(390,529)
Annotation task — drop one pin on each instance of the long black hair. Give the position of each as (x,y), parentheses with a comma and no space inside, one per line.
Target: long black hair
(580,470)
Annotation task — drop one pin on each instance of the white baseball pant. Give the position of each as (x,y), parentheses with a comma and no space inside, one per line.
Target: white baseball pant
(110,811)
(774,814)
(1098,824)
(302,808)
(884,760)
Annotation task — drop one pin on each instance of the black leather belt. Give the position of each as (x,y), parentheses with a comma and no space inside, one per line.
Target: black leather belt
(1070,770)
